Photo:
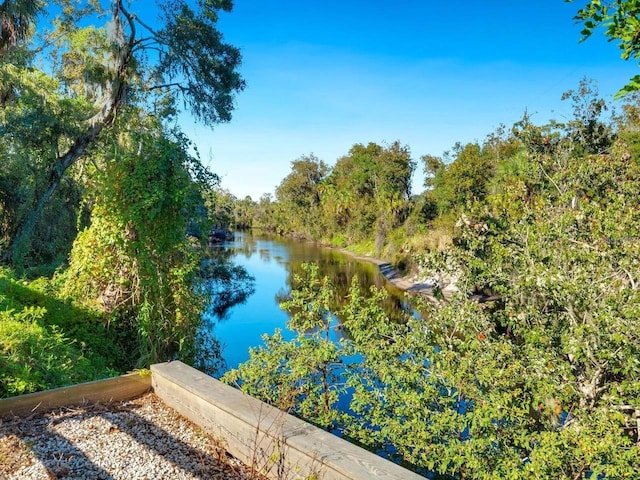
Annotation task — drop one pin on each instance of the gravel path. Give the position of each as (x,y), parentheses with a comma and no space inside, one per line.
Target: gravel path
(136,439)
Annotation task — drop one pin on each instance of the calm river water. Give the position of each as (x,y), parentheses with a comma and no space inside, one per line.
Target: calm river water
(273,261)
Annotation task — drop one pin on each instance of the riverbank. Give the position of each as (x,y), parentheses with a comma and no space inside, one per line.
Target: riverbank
(425,287)
(430,288)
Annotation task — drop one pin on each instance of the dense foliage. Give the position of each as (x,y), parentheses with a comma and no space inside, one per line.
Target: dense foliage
(101,58)
(47,342)
(99,190)
(540,382)
(135,261)
(543,381)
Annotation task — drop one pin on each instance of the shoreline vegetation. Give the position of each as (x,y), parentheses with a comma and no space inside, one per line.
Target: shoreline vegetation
(413,284)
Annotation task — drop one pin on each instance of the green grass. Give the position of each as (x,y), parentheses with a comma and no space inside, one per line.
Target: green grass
(46,342)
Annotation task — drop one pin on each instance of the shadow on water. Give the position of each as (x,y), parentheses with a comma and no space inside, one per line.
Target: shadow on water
(225,283)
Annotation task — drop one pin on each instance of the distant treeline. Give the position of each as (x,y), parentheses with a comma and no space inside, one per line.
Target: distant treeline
(364,201)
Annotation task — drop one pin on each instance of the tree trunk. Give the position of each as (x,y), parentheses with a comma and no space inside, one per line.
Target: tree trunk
(20,244)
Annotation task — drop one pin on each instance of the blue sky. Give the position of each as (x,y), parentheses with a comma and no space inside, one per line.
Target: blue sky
(323,76)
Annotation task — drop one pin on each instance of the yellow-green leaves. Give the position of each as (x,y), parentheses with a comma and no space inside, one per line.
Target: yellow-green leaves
(135,261)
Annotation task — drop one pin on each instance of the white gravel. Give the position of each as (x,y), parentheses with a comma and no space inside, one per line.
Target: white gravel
(137,439)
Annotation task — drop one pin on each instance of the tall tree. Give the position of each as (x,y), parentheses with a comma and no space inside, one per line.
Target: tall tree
(433,166)
(131,61)
(588,131)
(299,192)
(464,180)
(372,182)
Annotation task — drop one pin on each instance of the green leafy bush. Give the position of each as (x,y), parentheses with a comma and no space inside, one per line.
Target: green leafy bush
(46,342)
(134,263)
(38,357)
(541,382)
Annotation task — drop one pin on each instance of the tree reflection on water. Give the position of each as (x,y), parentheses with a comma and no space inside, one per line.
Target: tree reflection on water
(226,284)
(291,254)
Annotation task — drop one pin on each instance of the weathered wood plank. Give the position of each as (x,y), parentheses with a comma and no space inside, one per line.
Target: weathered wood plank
(108,390)
(264,437)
